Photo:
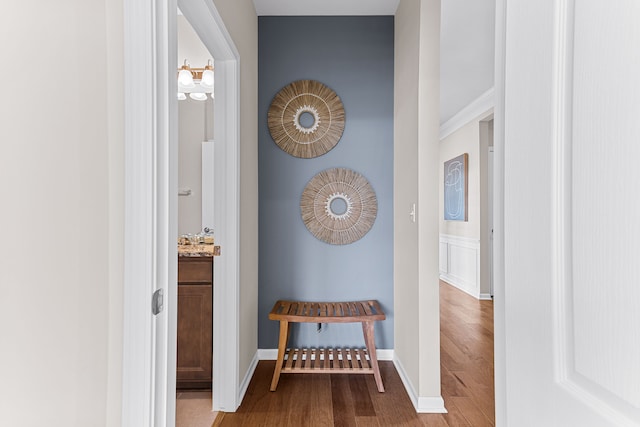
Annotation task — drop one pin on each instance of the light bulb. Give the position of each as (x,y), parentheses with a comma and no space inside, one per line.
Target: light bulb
(185,79)
(207,79)
(198,96)
(181,96)
(207,76)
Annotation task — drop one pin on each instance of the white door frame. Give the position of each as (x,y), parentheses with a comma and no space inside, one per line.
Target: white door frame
(499,323)
(489,224)
(149,342)
(207,23)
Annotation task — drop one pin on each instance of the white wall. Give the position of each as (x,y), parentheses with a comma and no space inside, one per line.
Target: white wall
(464,244)
(190,47)
(61,168)
(241,21)
(464,140)
(195,126)
(416,115)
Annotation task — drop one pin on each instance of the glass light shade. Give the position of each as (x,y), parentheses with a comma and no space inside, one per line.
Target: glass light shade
(181,96)
(207,79)
(198,96)
(185,79)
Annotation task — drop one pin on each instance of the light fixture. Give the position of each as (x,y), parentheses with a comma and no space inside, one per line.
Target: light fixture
(197,82)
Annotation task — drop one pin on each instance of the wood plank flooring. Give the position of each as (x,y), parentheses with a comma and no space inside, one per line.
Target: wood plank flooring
(466,349)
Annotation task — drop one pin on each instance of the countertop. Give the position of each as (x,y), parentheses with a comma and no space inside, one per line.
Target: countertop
(198,250)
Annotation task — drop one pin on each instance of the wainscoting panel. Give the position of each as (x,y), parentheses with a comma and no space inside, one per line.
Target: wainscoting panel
(460,263)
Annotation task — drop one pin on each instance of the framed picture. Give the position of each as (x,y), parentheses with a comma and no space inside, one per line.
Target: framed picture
(456,188)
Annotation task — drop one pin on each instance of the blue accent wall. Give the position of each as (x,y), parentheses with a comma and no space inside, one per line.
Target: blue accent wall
(354,57)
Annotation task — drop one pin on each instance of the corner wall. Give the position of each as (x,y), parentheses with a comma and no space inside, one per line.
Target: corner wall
(416,284)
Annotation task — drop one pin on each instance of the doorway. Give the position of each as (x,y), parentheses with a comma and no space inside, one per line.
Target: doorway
(207,23)
(194,367)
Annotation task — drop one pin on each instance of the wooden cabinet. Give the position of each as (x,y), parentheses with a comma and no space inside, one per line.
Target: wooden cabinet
(195,325)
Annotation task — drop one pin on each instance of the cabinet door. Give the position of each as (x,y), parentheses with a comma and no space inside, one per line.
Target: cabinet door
(194,336)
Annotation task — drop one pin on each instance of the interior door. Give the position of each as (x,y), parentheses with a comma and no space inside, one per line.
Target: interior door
(572,213)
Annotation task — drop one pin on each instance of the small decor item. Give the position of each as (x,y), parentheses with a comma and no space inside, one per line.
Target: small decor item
(338,206)
(456,188)
(306,119)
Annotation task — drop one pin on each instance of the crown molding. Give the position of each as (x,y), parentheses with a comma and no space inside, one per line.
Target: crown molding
(478,106)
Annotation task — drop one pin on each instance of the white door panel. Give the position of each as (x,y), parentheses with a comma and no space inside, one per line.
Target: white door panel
(572,212)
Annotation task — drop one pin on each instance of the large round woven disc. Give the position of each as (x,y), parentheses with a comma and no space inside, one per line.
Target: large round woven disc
(306,119)
(338,206)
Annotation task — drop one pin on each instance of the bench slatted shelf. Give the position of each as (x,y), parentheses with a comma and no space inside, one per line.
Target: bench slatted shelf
(327,360)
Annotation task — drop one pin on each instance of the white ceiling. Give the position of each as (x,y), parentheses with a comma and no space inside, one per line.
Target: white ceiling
(467,43)
(466,40)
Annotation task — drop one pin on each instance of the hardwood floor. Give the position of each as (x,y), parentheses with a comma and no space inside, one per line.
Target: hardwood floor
(466,356)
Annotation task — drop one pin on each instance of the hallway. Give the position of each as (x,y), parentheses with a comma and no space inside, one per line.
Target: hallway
(466,351)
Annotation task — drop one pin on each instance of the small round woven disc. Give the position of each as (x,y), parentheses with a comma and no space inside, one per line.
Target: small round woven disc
(306,119)
(338,206)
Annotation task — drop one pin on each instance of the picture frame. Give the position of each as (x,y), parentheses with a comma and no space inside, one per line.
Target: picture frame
(456,188)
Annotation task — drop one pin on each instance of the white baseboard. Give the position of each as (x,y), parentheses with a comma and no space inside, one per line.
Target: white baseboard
(247,377)
(458,283)
(272,354)
(267,353)
(485,297)
(423,404)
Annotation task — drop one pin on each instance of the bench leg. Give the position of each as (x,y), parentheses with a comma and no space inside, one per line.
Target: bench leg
(369,339)
(282,347)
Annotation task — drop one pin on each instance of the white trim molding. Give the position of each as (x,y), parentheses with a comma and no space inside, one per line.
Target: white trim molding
(149,258)
(460,264)
(244,385)
(483,104)
(148,385)
(423,404)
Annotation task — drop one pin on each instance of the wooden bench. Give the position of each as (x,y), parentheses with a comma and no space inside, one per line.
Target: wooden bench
(327,360)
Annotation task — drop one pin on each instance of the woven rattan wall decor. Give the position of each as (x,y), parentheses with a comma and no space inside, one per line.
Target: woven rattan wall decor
(338,206)
(324,114)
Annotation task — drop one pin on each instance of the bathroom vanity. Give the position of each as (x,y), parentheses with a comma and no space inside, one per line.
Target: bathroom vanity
(195,320)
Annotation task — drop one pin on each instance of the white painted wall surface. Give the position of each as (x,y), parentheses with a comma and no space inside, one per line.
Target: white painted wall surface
(61,168)
(405,189)
(417,335)
(195,126)
(190,47)
(428,147)
(464,140)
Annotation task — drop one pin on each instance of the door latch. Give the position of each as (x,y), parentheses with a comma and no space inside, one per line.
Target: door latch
(157,301)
